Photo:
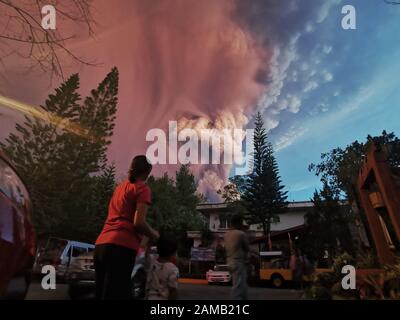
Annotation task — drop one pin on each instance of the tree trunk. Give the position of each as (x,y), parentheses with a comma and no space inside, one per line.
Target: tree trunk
(265,228)
(268,226)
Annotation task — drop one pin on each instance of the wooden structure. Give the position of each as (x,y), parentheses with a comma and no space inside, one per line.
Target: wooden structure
(379,189)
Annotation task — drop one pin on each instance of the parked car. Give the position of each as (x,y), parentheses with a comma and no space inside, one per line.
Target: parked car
(81,281)
(17,236)
(60,253)
(81,277)
(220,274)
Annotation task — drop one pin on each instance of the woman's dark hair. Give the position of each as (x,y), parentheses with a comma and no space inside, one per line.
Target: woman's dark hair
(140,166)
(166,246)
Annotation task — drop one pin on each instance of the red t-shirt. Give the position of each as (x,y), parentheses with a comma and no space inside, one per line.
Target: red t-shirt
(119,228)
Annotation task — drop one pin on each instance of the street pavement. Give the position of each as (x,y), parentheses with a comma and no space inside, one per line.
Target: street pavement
(186,292)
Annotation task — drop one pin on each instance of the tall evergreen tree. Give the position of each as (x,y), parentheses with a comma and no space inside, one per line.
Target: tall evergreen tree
(263,197)
(61,154)
(101,191)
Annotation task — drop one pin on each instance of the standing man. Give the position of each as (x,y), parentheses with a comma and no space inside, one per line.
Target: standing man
(237,249)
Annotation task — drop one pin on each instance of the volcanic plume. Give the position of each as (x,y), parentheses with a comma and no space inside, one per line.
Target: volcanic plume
(194,63)
(189,61)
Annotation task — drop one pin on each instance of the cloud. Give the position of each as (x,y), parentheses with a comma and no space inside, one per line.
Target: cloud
(280,64)
(270,123)
(310,86)
(309,27)
(295,104)
(289,138)
(327,76)
(281,105)
(323,12)
(324,107)
(302,185)
(294,76)
(327,49)
(210,182)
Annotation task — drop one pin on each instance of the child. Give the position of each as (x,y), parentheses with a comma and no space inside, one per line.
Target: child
(162,277)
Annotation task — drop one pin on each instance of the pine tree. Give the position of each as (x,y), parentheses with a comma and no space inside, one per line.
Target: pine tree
(85,155)
(60,155)
(36,151)
(263,195)
(102,189)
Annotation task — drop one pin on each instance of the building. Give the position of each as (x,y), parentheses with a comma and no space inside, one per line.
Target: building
(216,214)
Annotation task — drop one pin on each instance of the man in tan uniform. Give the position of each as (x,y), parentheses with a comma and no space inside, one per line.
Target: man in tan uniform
(237,249)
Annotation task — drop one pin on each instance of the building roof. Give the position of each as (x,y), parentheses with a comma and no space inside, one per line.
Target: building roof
(291,205)
(212,207)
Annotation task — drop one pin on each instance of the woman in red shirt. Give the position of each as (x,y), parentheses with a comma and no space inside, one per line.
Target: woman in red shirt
(119,241)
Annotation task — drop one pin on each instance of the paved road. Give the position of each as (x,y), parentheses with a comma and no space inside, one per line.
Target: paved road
(36,292)
(218,292)
(186,292)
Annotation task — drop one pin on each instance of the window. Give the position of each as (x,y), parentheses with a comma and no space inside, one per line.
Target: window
(77,251)
(221,268)
(277,264)
(224,221)
(55,244)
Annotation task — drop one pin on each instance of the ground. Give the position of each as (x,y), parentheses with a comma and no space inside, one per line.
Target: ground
(186,292)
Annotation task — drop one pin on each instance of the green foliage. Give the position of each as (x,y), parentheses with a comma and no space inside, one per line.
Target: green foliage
(327,226)
(63,158)
(384,284)
(341,260)
(174,205)
(328,284)
(101,190)
(263,195)
(339,167)
(368,261)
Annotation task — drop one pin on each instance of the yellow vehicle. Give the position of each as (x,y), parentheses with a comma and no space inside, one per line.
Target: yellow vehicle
(274,267)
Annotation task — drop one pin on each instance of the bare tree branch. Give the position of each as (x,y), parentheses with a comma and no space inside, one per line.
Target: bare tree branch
(22,35)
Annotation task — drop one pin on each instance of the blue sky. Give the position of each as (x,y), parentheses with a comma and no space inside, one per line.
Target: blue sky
(329,86)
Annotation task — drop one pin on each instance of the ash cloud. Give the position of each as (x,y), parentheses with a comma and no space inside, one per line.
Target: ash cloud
(205,64)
